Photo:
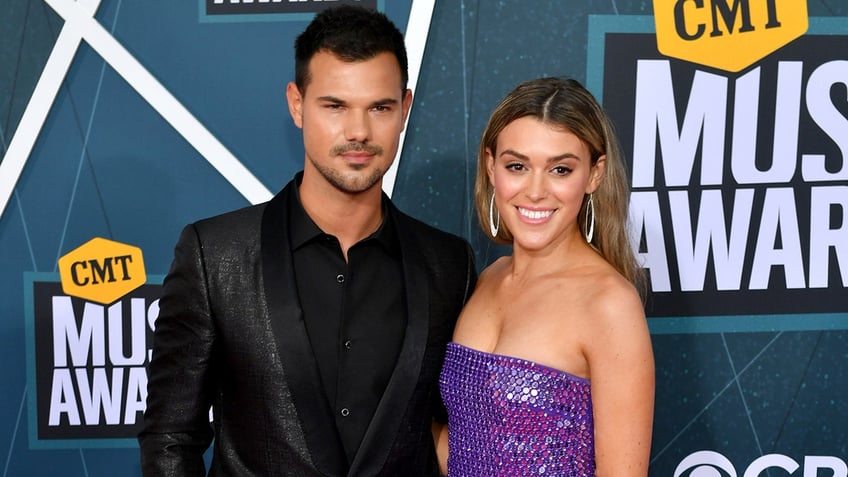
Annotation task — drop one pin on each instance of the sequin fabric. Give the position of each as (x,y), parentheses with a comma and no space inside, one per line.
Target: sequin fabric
(512,417)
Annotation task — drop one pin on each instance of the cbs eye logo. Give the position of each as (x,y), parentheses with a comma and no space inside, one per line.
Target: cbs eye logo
(705,464)
(712,464)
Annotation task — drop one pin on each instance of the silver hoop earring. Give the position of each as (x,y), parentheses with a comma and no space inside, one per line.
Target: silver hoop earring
(590,222)
(493,227)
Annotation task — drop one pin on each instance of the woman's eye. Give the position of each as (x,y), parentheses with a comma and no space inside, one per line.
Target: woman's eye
(561,170)
(515,166)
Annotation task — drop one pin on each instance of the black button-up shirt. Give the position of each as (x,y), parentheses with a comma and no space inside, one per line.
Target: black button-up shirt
(355,315)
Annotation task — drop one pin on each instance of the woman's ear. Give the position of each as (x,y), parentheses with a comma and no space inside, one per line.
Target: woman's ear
(596,175)
(490,166)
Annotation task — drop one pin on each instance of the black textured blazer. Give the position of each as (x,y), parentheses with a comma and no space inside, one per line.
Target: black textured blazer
(230,335)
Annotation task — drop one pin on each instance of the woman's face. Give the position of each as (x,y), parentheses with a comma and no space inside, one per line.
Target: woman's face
(541,174)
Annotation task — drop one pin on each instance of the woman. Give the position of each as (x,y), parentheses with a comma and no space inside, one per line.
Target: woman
(551,370)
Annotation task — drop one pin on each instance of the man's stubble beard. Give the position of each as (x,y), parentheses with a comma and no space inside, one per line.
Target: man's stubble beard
(350,183)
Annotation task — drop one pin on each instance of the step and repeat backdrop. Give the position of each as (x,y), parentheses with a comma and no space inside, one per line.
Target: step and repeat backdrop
(120,121)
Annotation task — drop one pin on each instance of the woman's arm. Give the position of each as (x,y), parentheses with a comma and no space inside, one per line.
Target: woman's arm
(440,436)
(621,365)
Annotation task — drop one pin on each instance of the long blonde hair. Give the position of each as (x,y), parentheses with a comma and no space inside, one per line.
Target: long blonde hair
(566,104)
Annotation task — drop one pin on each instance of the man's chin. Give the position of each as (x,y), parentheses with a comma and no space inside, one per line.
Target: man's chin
(357,184)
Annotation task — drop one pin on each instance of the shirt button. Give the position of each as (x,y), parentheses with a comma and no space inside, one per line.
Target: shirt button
(345,412)
(347,344)
(340,278)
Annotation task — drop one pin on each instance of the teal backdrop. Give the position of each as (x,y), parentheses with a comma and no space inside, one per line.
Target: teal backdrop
(750,381)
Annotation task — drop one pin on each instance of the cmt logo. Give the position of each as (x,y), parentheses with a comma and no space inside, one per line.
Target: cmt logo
(87,364)
(727,34)
(712,464)
(102,270)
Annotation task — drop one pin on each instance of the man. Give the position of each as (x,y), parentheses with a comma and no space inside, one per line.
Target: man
(313,325)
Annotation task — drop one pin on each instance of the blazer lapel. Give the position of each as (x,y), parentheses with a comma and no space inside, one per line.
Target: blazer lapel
(299,366)
(384,425)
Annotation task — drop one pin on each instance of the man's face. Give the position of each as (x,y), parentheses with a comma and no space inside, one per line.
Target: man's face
(351,114)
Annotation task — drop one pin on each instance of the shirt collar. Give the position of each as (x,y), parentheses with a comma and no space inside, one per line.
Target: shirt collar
(303,230)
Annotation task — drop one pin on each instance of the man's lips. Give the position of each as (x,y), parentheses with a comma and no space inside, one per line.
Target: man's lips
(357,150)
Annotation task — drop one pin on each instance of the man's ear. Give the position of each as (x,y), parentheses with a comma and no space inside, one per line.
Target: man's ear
(596,175)
(406,103)
(295,101)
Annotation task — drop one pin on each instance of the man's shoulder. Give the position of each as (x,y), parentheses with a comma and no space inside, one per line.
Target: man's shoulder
(232,221)
(426,233)
(248,217)
(440,249)
(231,234)
(448,258)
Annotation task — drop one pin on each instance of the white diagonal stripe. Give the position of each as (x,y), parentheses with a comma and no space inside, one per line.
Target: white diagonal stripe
(417,29)
(80,24)
(163,101)
(39,105)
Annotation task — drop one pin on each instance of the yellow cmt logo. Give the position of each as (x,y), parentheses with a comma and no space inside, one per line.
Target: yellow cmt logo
(102,270)
(727,34)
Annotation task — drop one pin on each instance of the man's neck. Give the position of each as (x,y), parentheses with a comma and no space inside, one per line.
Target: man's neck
(348,217)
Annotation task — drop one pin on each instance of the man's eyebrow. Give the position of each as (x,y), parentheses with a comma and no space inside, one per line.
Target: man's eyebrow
(331,99)
(379,102)
(385,101)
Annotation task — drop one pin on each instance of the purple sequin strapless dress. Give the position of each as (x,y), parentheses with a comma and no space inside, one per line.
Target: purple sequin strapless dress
(512,417)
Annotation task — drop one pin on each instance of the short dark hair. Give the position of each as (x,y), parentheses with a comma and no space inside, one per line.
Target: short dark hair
(351,33)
